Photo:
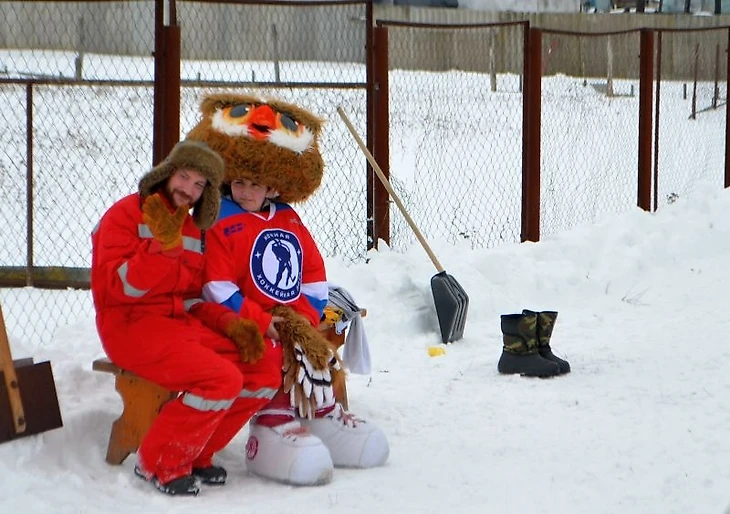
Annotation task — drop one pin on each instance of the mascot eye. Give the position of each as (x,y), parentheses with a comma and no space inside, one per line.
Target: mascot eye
(289,123)
(239,111)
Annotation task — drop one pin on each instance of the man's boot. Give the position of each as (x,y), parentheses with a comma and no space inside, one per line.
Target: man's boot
(520,351)
(545,324)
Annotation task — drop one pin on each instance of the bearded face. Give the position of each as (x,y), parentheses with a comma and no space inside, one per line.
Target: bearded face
(264,140)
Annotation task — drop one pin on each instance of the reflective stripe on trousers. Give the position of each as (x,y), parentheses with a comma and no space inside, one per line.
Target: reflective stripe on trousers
(199,403)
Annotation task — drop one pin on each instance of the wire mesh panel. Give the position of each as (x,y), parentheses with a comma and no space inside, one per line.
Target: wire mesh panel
(77,100)
(589,127)
(75,40)
(455,97)
(690,112)
(279,42)
(264,49)
(85,88)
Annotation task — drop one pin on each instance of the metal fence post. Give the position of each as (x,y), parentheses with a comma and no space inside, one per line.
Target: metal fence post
(646,77)
(29,182)
(531,136)
(166,117)
(381,200)
(727,116)
(657,96)
(371,180)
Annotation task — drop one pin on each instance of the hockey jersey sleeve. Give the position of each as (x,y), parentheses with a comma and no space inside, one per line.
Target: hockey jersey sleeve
(213,315)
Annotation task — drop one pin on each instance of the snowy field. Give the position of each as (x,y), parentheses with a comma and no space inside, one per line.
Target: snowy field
(638,426)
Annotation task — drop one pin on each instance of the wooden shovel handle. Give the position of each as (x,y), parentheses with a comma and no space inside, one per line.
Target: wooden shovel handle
(390,190)
(11,379)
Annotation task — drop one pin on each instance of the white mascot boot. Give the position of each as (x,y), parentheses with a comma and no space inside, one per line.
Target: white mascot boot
(287,453)
(352,442)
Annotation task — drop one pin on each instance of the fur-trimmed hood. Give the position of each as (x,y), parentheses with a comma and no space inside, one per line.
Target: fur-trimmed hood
(199,156)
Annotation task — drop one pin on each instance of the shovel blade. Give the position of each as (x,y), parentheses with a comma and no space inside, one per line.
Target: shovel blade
(40,401)
(452,303)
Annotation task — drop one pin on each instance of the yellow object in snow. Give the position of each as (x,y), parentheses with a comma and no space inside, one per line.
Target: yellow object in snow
(435,351)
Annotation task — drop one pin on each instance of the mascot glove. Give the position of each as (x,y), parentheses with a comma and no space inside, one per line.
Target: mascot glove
(165,226)
(247,337)
(310,389)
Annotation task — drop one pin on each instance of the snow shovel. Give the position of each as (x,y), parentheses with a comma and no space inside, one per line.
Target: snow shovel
(28,400)
(450,299)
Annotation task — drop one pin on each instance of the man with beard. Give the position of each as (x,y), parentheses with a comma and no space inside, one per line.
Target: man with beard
(146,282)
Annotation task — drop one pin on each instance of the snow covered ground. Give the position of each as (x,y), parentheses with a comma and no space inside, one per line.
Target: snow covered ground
(639,425)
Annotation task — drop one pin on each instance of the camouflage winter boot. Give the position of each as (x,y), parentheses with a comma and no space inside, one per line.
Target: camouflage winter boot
(545,324)
(520,352)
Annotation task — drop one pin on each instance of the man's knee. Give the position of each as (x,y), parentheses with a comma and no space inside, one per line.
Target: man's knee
(228,380)
(266,372)
(273,359)
(273,379)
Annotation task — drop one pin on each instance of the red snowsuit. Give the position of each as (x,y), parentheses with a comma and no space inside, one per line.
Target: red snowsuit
(152,322)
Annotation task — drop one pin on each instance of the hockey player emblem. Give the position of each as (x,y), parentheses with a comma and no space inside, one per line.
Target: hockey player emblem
(276,265)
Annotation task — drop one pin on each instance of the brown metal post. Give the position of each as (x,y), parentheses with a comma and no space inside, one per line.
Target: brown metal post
(371,179)
(29,182)
(531,106)
(646,77)
(166,117)
(171,85)
(381,200)
(694,82)
(716,86)
(657,96)
(158,93)
(727,115)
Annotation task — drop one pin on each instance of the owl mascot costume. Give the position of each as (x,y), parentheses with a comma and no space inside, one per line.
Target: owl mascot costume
(263,263)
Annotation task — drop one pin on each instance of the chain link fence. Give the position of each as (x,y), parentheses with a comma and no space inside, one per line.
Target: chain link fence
(589,127)
(79,123)
(318,68)
(78,118)
(596,78)
(79,109)
(691,70)
(456,131)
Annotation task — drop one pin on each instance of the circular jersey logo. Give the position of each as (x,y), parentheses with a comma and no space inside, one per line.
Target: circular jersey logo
(276,265)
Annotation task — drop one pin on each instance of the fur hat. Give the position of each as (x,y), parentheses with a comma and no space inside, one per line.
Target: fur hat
(265,140)
(200,157)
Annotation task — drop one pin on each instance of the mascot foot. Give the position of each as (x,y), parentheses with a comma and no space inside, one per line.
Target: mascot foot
(288,453)
(352,442)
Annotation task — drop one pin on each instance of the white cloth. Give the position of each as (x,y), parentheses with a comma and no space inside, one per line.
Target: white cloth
(356,351)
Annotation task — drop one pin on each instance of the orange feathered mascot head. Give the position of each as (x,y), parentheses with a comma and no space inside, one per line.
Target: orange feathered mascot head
(263,139)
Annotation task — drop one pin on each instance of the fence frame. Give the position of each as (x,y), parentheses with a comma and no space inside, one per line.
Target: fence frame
(167,87)
(166,124)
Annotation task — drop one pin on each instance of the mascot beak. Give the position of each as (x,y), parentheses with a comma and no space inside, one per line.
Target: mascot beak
(261,121)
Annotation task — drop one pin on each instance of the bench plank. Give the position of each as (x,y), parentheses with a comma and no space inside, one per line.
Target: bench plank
(107,366)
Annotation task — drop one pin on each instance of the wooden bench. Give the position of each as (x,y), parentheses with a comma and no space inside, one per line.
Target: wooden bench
(143,400)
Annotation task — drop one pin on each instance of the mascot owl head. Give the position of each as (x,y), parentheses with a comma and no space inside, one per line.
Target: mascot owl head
(265,140)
